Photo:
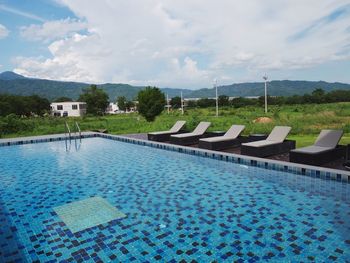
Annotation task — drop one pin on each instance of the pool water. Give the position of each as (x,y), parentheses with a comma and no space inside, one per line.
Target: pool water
(175,206)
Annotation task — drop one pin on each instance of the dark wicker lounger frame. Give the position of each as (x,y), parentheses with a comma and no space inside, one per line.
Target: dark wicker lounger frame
(318,158)
(186,140)
(221,145)
(162,137)
(268,150)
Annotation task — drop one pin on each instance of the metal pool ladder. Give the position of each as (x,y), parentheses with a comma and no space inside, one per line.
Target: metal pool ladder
(68,134)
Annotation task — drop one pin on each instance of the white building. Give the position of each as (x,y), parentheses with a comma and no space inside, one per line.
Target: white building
(68,108)
(113,108)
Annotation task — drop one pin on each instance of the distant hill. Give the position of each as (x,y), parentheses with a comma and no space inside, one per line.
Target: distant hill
(275,88)
(51,89)
(12,83)
(9,75)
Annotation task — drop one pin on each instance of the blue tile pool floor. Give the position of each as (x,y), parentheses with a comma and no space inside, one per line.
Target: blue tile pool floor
(178,208)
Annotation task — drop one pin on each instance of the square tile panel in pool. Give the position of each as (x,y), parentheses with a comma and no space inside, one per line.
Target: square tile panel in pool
(87,213)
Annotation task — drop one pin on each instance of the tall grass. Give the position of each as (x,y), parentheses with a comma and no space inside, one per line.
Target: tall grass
(306,121)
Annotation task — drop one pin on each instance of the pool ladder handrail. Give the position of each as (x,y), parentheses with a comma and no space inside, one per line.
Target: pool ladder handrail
(78,129)
(67,131)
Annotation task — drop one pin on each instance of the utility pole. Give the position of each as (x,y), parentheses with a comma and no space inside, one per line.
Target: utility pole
(167,102)
(182,104)
(265,79)
(217,99)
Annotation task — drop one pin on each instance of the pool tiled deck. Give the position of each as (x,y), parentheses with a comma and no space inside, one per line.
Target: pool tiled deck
(338,165)
(34,139)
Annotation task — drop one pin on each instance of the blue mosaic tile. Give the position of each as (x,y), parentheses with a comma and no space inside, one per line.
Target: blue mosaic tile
(178,206)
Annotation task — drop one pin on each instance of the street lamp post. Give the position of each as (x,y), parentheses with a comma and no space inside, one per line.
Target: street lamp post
(182,104)
(217,99)
(167,103)
(265,79)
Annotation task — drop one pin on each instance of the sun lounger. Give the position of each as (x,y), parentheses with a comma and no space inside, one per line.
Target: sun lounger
(191,137)
(324,150)
(163,136)
(229,139)
(275,143)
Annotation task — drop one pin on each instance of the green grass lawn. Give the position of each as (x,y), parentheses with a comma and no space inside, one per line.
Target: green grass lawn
(306,121)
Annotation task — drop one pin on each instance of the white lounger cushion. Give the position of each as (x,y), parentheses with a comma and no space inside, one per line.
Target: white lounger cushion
(161,132)
(231,134)
(234,131)
(199,130)
(217,139)
(329,138)
(313,149)
(183,135)
(260,143)
(176,128)
(277,135)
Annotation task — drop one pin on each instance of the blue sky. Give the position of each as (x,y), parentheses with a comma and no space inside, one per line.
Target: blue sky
(180,44)
(15,14)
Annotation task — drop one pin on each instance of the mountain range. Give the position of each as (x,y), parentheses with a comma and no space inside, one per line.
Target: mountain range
(12,83)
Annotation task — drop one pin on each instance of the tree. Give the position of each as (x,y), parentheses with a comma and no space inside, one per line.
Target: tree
(205,103)
(224,100)
(241,102)
(338,95)
(318,93)
(121,101)
(261,100)
(307,98)
(96,100)
(23,105)
(318,96)
(151,102)
(295,99)
(191,104)
(129,104)
(37,105)
(175,102)
(63,99)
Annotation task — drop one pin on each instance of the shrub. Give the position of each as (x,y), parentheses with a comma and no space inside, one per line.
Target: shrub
(13,124)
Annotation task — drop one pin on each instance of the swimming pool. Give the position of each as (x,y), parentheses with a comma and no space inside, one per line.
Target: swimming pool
(169,207)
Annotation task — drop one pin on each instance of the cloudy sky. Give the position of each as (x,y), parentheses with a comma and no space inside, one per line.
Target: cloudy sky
(179,44)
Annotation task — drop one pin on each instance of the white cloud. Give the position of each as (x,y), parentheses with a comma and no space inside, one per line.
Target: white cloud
(52,30)
(74,59)
(3,31)
(187,43)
